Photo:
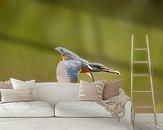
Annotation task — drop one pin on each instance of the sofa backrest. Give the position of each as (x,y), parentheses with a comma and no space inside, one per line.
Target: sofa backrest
(54,92)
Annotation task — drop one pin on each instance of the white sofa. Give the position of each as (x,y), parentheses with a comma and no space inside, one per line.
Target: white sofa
(57,108)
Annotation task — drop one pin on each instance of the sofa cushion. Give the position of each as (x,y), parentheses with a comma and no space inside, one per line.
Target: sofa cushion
(26,109)
(16,95)
(80,109)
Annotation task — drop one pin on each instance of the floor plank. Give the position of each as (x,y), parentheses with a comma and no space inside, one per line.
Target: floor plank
(157,126)
(136,127)
(161,124)
(148,126)
(141,126)
(152,127)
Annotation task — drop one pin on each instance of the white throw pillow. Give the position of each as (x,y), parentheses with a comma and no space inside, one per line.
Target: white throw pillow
(18,84)
(16,95)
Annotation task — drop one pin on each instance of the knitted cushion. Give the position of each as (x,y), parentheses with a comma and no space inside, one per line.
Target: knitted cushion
(91,91)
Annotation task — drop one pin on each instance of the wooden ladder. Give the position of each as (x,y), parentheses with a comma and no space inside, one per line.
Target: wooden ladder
(149,74)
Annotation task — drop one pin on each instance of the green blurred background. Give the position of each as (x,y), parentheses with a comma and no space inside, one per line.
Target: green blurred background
(97,30)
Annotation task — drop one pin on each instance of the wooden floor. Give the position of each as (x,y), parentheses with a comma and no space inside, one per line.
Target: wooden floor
(148,126)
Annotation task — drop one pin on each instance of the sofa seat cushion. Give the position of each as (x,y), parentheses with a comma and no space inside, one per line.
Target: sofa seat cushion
(80,109)
(26,109)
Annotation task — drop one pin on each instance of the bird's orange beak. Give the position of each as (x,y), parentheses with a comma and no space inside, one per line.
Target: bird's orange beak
(110,71)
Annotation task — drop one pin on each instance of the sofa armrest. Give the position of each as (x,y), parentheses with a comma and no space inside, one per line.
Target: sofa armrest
(128,111)
(128,108)
(127,118)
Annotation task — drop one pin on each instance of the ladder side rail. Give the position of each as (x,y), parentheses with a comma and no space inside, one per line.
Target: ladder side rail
(151,79)
(132,59)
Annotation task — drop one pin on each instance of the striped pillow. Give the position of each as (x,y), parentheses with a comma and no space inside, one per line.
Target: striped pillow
(91,91)
(16,95)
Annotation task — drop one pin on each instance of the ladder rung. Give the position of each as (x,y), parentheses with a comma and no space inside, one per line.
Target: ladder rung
(144,107)
(141,74)
(142,91)
(140,62)
(140,49)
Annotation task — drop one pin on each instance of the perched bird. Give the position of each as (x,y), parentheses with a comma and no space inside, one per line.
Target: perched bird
(71,65)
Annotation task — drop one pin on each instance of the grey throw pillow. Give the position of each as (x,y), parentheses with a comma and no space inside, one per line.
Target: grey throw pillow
(111,89)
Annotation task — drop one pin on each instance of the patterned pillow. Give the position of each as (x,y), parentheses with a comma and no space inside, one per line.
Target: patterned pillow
(16,95)
(91,91)
(111,89)
(5,85)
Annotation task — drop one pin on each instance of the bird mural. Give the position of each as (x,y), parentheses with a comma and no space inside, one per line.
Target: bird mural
(71,65)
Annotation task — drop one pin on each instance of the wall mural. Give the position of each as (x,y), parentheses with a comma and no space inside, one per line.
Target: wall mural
(71,65)
(101,29)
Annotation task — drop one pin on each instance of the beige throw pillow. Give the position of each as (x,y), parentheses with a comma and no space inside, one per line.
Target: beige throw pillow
(5,85)
(16,95)
(19,84)
(111,89)
(91,91)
